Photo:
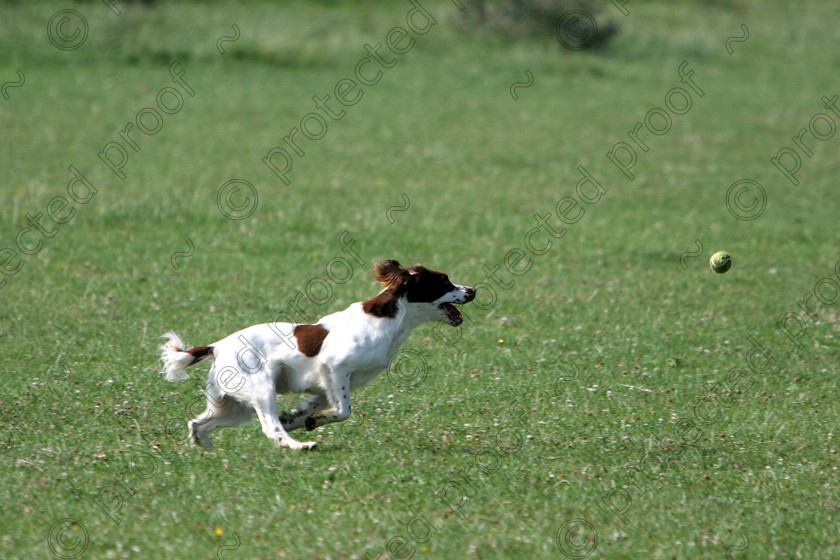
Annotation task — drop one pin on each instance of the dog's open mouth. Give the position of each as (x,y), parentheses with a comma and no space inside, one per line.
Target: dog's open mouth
(452,314)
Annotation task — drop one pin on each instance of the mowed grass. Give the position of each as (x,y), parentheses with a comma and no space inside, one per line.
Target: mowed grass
(543,407)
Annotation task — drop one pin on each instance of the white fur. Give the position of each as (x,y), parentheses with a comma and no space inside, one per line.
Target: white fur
(175,361)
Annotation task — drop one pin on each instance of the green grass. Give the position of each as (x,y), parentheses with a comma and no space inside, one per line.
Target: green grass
(559,388)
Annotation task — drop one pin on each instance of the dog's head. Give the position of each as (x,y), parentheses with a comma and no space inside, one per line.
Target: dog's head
(430,292)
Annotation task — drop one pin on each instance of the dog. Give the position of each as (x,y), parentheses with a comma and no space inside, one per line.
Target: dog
(341,352)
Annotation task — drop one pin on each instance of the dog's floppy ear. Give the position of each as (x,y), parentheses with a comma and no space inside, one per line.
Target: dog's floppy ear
(390,274)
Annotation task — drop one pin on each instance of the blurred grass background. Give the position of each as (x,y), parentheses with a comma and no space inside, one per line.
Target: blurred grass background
(442,128)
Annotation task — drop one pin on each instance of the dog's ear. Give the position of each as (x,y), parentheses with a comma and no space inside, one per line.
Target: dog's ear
(390,274)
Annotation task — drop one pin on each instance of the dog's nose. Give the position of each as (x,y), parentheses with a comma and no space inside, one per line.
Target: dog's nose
(470,293)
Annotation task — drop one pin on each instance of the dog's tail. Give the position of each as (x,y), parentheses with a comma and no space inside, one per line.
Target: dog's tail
(175,359)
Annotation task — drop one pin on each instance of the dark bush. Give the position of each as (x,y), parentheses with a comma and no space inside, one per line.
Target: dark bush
(576,24)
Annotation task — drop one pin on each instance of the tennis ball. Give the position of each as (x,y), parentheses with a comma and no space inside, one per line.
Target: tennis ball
(720,262)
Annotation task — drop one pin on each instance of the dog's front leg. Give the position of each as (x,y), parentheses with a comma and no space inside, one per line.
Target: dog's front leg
(297,418)
(338,396)
(266,407)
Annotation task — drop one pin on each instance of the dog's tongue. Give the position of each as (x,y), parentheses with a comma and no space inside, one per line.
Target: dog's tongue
(451,311)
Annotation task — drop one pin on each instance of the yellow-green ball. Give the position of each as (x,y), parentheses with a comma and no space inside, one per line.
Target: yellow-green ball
(720,262)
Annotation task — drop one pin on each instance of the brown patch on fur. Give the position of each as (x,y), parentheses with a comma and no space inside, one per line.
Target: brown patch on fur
(310,338)
(394,277)
(201,353)
(426,285)
(384,305)
(391,274)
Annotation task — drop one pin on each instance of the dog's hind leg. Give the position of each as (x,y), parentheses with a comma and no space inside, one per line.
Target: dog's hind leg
(222,412)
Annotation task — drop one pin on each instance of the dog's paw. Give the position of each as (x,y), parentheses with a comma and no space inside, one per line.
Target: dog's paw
(312,422)
(196,439)
(299,445)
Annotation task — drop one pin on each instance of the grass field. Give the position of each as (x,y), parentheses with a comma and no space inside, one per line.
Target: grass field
(606,398)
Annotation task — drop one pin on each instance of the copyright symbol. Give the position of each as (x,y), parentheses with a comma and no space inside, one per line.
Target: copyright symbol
(408,370)
(746,200)
(68,538)
(228,205)
(351,425)
(7,442)
(576,539)
(576,30)
(560,384)
(67,30)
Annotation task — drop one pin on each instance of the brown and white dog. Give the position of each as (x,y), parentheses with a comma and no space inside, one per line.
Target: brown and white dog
(327,360)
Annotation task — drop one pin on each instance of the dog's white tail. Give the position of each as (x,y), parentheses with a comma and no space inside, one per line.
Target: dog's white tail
(175,359)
